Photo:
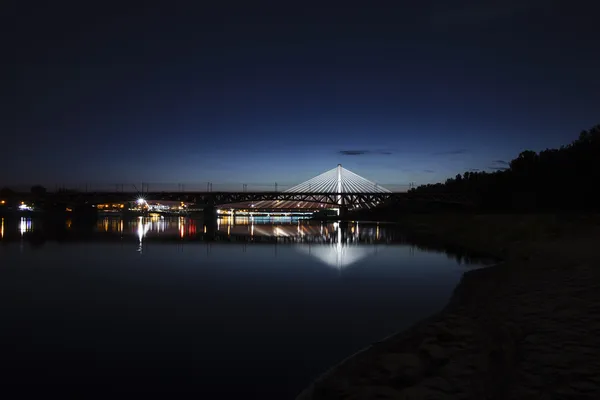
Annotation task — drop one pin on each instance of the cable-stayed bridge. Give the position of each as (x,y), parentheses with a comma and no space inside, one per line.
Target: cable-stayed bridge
(337,188)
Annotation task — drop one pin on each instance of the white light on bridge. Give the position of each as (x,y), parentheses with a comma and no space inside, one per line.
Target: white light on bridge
(338,180)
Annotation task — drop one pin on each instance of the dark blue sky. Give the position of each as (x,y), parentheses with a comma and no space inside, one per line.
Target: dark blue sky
(248,93)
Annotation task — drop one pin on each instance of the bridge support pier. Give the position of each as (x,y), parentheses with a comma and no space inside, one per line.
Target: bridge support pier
(210,214)
(209,217)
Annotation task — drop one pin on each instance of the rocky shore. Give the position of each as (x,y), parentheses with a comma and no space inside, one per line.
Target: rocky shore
(527,328)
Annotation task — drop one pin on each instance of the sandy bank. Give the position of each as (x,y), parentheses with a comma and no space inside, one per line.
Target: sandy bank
(528,328)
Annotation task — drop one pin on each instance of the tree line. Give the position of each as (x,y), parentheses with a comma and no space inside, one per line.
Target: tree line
(567,178)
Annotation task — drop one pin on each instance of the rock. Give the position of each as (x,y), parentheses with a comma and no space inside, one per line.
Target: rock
(422,393)
(449,334)
(585,386)
(373,392)
(437,383)
(406,367)
(434,351)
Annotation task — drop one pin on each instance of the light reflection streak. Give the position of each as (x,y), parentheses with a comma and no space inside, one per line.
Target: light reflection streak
(181,227)
(142,229)
(2,229)
(25,226)
(338,255)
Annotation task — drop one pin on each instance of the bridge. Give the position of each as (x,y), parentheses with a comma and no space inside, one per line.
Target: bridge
(337,188)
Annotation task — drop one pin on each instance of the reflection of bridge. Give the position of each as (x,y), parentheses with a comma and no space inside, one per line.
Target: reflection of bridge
(336,188)
(341,253)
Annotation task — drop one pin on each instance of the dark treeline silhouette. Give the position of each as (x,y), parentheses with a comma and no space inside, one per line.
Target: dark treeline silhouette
(554,179)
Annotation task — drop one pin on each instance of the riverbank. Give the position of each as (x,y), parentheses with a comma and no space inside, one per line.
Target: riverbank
(528,327)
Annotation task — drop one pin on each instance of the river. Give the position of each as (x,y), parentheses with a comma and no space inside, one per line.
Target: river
(150,305)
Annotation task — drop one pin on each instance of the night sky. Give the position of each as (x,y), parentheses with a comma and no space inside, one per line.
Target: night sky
(245,93)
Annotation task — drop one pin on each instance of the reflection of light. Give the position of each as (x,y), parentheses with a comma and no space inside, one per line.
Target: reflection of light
(143,228)
(69,223)
(252,229)
(204,228)
(338,249)
(121,226)
(228,230)
(25,225)
(181,227)
(105,224)
(2,229)
(339,255)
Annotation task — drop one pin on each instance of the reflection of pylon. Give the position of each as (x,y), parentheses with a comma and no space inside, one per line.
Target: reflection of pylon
(339,183)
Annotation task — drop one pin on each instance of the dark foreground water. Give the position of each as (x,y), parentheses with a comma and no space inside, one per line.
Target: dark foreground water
(146,307)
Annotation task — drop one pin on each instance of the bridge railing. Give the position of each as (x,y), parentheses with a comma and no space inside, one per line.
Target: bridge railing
(206,186)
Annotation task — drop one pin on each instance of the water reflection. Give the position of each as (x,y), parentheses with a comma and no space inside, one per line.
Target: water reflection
(343,244)
(290,230)
(339,256)
(25,226)
(261,291)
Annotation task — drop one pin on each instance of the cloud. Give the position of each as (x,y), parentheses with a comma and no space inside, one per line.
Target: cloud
(428,171)
(364,152)
(451,152)
(499,165)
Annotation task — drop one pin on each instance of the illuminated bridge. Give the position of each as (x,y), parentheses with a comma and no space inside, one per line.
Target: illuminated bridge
(337,188)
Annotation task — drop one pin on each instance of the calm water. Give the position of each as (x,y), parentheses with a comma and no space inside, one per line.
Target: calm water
(146,306)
